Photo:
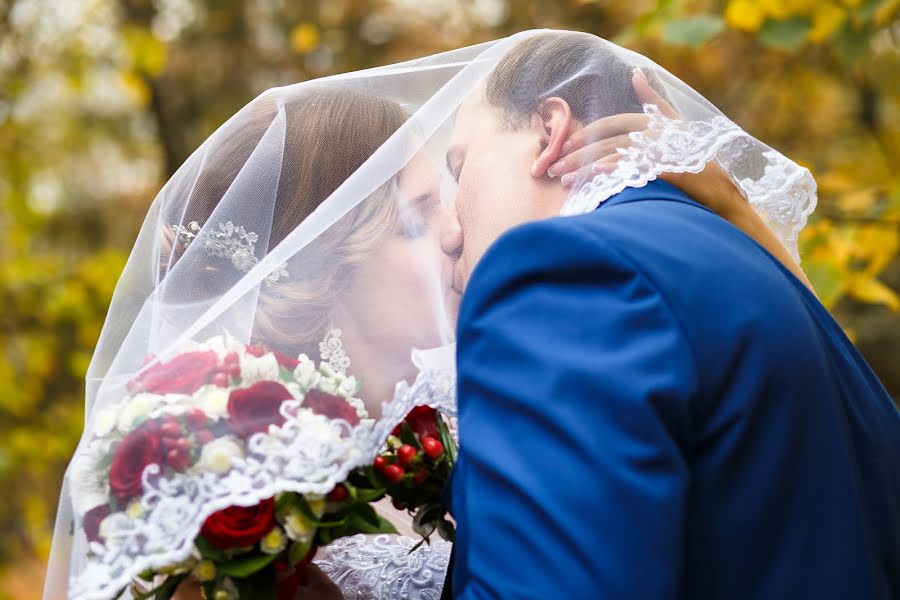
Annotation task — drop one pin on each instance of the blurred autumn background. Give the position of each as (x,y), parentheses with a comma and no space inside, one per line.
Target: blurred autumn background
(100,101)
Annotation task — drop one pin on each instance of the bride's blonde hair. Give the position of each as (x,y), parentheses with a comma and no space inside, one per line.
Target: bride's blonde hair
(330,133)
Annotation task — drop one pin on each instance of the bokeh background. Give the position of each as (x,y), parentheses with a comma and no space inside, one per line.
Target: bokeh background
(101,100)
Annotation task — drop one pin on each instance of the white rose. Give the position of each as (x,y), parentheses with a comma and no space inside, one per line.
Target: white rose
(305,373)
(139,406)
(104,423)
(213,401)
(222,345)
(328,385)
(297,527)
(264,368)
(218,455)
(347,387)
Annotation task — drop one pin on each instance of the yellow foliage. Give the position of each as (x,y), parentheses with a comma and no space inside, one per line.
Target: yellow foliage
(304,37)
(135,87)
(746,15)
(827,17)
(868,289)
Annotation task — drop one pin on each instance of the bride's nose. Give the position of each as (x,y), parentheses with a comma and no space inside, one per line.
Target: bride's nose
(451,235)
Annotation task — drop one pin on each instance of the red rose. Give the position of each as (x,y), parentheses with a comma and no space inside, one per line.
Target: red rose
(184,374)
(140,448)
(92,519)
(253,409)
(283,359)
(254,350)
(286,361)
(239,526)
(331,406)
(423,421)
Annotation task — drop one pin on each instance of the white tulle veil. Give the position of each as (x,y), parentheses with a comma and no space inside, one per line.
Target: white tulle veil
(310,223)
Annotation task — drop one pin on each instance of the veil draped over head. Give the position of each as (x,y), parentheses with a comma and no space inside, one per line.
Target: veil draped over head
(311,224)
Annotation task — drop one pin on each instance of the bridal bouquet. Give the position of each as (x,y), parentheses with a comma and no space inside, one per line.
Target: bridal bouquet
(213,417)
(414,468)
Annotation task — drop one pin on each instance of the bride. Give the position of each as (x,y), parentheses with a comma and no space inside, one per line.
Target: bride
(317,221)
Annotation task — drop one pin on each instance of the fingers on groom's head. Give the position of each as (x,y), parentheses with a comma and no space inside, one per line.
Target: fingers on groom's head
(647,95)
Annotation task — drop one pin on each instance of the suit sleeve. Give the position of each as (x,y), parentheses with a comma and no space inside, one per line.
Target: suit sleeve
(574,385)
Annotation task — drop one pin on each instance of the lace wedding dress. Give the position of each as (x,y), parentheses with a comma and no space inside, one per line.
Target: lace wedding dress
(384,567)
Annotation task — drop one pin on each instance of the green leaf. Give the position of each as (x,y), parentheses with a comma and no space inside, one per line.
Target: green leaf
(693,31)
(164,591)
(408,436)
(446,530)
(208,550)
(362,525)
(827,279)
(303,506)
(788,34)
(246,566)
(298,550)
(367,495)
(853,44)
(447,440)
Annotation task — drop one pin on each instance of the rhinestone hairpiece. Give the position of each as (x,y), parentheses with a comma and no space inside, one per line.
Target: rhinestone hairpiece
(228,241)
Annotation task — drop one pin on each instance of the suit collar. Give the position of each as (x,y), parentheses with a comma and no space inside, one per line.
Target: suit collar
(654,190)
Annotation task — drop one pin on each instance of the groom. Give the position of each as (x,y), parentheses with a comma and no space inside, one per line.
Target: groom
(650,406)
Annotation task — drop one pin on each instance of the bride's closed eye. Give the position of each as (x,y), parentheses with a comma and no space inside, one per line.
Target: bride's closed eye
(415,217)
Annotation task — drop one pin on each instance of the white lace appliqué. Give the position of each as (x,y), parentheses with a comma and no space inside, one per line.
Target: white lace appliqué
(383,568)
(332,352)
(228,241)
(780,190)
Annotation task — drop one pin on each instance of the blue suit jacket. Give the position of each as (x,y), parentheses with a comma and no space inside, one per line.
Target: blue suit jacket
(652,407)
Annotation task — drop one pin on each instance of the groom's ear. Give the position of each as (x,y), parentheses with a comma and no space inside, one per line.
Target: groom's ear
(553,121)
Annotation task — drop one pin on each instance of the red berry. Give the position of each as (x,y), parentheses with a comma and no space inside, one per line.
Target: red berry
(380,463)
(220,379)
(234,371)
(178,459)
(232,359)
(398,505)
(432,447)
(420,476)
(338,494)
(406,453)
(394,473)
(170,429)
(170,442)
(204,436)
(195,417)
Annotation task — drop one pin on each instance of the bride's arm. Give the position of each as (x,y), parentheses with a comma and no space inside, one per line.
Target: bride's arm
(714,189)
(594,146)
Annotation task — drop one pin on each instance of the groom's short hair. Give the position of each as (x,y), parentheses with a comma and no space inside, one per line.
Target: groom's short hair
(582,69)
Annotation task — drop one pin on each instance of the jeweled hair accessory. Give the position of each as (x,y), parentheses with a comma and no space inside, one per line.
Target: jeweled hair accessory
(228,241)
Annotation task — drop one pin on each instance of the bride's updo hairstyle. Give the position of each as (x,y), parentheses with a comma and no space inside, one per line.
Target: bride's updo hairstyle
(329,133)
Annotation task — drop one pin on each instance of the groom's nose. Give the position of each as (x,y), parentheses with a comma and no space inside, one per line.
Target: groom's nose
(451,236)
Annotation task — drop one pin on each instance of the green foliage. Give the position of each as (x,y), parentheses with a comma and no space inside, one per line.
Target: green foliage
(692,31)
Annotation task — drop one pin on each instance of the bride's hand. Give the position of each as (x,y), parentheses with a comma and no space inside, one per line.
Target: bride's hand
(318,586)
(593,149)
